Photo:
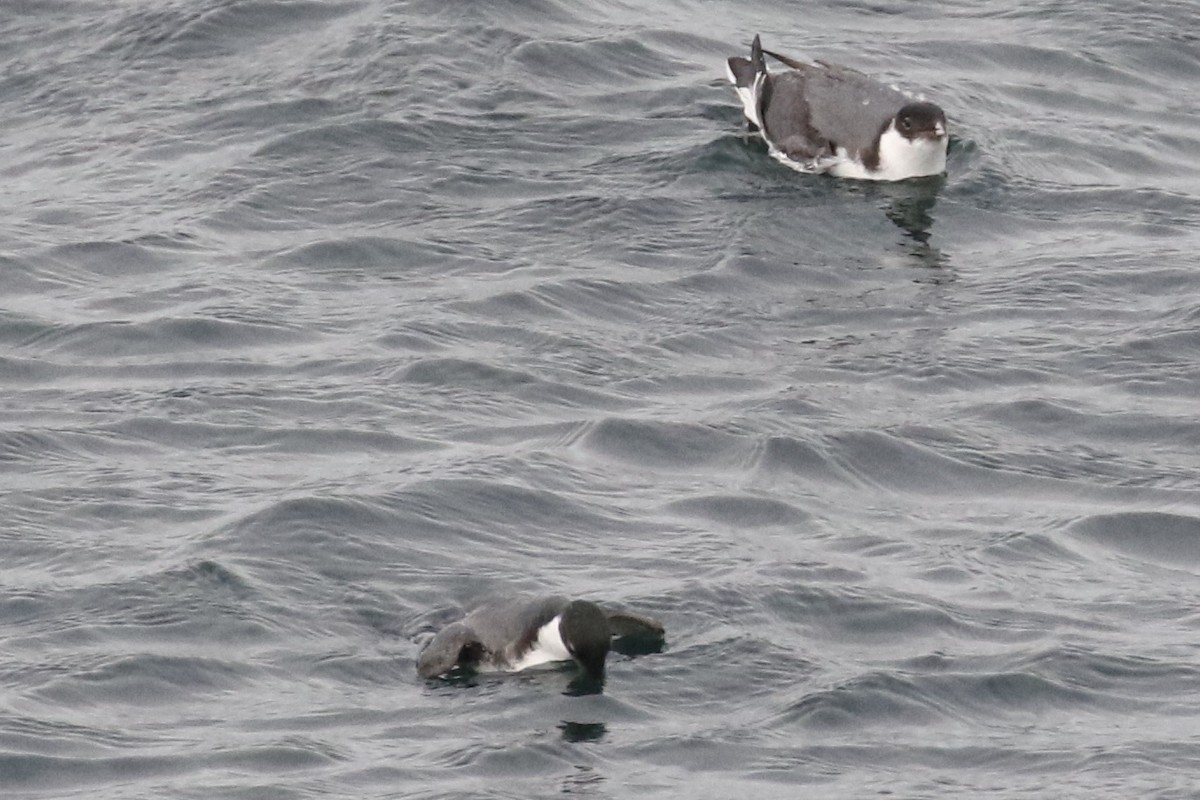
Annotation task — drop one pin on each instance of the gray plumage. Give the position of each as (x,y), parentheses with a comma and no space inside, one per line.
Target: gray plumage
(809,112)
(823,106)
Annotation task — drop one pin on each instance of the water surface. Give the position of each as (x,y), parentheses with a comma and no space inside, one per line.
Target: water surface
(323,320)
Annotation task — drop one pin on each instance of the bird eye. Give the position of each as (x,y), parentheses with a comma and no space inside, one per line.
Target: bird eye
(906,123)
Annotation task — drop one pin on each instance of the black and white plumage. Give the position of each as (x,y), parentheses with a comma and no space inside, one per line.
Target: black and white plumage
(520,632)
(829,119)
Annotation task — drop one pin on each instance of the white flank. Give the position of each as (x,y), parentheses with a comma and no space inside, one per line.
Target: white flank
(748,94)
(899,158)
(548,648)
(752,108)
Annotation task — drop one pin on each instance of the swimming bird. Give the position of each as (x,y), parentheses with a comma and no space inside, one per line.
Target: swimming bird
(520,632)
(825,118)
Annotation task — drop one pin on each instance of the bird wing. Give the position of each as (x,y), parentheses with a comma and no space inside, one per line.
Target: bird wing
(445,650)
(635,634)
(508,628)
(627,623)
(787,117)
(829,103)
(847,107)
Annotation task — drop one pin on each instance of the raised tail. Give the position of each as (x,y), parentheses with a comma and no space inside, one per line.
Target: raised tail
(786,61)
(749,77)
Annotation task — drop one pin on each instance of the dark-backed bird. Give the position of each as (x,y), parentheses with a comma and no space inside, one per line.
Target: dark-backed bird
(521,632)
(825,118)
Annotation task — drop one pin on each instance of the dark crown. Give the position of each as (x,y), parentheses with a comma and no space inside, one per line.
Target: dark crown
(920,118)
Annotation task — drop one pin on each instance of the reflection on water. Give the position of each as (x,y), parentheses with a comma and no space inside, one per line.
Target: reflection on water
(583,731)
(584,780)
(460,676)
(584,684)
(910,203)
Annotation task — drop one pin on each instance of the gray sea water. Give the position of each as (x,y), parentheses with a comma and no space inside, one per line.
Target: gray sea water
(320,321)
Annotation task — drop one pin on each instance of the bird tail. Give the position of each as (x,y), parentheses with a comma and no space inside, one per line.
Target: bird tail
(786,61)
(749,77)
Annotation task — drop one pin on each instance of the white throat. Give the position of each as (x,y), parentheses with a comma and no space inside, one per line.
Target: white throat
(547,648)
(899,158)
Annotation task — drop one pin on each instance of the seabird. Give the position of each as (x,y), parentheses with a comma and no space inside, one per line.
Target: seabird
(822,117)
(521,632)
